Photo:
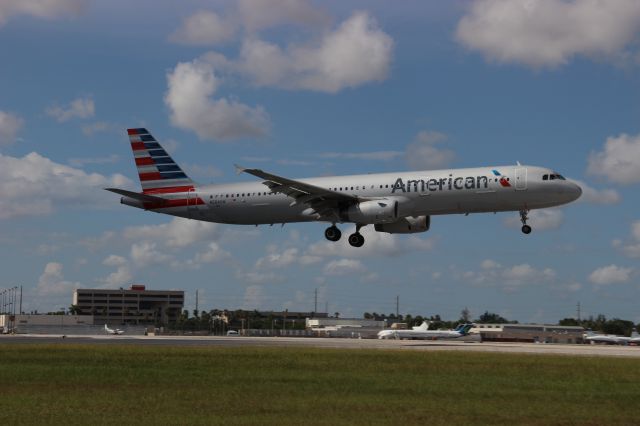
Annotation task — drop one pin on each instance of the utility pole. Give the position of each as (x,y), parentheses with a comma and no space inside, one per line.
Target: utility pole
(326,308)
(197,302)
(20,301)
(578,310)
(398,308)
(315,302)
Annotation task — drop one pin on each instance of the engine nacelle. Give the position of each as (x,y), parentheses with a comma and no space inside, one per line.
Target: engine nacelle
(371,212)
(406,225)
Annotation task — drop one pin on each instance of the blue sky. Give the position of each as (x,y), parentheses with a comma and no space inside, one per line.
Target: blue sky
(304,88)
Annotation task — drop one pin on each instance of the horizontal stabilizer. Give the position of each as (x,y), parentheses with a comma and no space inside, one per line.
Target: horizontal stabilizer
(137,196)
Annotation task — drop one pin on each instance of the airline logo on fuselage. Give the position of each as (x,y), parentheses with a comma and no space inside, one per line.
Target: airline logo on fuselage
(440,184)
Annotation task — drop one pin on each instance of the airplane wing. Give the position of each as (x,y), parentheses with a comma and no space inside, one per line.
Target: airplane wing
(323,201)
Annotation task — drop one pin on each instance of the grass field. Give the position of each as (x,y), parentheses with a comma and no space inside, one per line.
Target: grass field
(91,384)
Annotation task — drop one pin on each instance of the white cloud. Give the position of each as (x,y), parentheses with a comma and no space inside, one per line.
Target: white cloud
(114,260)
(539,219)
(357,52)
(121,277)
(213,253)
(145,253)
(508,278)
(597,196)
(424,153)
(178,233)
(344,267)
(259,15)
(10,125)
(80,162)
(526,273)
(191,86)
(44,9)
(52,281)
(204,27)
(78,108)
(619,162)
(34,185)
(278,259)
(611,274)
(630,248)
(489,264)
(548,33)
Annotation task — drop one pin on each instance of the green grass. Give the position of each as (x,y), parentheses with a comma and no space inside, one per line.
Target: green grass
(82,384)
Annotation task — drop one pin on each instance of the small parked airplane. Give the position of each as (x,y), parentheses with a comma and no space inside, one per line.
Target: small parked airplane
(112,331)
(396,203)
(422,332)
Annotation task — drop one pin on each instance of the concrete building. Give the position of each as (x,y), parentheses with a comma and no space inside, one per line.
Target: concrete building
(42,323)
(533,333)
(136,305)
(345,327)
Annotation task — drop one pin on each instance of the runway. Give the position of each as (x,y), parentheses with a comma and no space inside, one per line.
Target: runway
(333,343)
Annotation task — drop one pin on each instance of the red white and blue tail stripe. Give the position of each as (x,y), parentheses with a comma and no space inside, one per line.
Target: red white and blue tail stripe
(158,173)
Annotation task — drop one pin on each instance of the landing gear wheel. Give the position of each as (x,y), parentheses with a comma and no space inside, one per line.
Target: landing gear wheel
(332,233)
(524,216)
(356,239)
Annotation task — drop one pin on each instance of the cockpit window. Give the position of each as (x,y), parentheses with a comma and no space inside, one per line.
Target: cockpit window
(553,176)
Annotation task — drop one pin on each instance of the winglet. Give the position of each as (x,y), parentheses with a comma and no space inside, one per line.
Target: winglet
(239,169)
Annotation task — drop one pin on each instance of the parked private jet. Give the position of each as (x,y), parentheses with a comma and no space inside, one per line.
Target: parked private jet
(396,203)
(422,332)
(112,331)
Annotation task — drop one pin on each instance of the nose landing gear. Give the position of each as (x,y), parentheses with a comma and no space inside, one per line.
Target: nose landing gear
(526,229)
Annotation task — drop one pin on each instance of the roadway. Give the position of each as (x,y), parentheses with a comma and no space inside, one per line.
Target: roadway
(333,343)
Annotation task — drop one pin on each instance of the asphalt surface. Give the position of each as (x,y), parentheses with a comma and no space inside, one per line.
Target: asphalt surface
(334,343)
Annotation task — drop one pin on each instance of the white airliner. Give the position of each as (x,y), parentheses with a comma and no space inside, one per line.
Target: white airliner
(112,331)
(396,203)
(612,339)
(422,332)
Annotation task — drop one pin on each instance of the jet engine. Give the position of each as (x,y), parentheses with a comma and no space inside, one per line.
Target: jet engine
(406,225)
(370,212)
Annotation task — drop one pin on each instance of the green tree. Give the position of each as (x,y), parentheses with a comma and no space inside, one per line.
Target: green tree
(465,315)
(491,318)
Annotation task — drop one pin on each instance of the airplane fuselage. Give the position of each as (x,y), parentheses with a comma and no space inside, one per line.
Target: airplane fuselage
(436,192)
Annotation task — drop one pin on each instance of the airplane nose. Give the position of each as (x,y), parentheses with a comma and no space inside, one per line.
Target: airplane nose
(575,190)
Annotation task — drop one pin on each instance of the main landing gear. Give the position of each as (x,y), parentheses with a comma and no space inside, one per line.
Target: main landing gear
(332,233)
(356,239)
(526,229)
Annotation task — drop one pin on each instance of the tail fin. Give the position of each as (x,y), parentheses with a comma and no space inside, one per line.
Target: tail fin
(465,329)
(158,173)
(634,333)
(422,327)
